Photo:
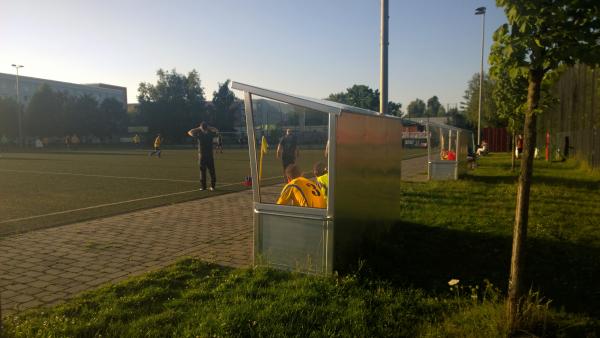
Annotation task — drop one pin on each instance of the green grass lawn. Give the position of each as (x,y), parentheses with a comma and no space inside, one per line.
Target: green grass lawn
(444,230)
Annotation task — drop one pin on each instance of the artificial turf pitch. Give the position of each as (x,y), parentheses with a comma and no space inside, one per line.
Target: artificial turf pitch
(46,188)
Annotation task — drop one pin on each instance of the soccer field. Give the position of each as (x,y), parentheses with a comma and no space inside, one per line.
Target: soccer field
(41,189)
(45,188)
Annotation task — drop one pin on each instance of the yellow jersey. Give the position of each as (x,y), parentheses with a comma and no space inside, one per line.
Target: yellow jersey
(323,183)
(302,192)
(157,141)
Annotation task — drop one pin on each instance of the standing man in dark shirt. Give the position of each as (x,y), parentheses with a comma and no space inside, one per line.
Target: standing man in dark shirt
(204,137)
(287,149)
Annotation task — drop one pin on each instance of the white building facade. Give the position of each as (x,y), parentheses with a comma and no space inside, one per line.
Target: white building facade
(28,86)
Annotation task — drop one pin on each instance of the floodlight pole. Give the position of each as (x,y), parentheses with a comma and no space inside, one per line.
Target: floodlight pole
(19,106)
(480,11)
(383,76)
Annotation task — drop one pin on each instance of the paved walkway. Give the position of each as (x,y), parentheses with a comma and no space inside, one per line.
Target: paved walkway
(47,266)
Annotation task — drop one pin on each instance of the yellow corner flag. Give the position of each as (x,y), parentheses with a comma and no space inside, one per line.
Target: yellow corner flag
(264,146)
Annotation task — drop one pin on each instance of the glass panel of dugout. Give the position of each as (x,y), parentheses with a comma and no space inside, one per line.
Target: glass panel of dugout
(290,155)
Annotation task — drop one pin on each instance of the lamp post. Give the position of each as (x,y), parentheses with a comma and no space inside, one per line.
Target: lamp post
(383,71)
(19,105)
(480,11)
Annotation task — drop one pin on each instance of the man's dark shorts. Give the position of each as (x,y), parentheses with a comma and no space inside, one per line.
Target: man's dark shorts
(287,161)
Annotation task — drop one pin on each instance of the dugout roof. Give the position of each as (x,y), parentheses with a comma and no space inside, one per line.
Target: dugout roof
(316,104)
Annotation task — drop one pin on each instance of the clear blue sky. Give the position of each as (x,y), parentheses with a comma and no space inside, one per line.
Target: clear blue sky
(308,47)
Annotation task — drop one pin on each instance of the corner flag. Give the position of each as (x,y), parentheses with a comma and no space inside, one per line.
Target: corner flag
(264,146)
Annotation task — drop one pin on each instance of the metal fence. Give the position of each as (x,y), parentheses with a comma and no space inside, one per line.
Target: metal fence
(574,122)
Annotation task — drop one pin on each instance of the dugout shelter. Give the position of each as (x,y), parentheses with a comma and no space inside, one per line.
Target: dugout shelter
(363,153)
(449,150)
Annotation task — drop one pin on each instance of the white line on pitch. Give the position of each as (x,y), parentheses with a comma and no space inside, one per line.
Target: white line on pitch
(101,176)
(115,203)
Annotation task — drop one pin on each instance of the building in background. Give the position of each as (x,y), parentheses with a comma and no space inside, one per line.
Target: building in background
(28,86)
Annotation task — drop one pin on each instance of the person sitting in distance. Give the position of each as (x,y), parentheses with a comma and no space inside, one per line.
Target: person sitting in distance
(483,149)
(300,191)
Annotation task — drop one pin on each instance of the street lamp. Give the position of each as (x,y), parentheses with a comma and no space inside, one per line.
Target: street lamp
(19,105)
(480,11)
(383,70)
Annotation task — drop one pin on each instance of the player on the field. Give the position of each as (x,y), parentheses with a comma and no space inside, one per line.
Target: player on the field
(218,143)
(300,191)
(157,142)
(204,136)
(287,150)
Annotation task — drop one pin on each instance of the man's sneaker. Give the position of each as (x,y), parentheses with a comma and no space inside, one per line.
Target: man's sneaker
(202,189)
(211,188)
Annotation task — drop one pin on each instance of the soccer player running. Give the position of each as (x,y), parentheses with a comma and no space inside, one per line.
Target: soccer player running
(204,137)
(157,143)
(287,150)
(300,191)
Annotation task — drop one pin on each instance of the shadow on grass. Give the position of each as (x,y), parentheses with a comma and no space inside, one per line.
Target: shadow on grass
(426,257)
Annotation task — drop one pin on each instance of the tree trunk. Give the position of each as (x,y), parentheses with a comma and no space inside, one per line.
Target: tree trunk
(522,209)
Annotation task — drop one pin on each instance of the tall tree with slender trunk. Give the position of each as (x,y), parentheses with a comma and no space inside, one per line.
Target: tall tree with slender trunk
(540,36)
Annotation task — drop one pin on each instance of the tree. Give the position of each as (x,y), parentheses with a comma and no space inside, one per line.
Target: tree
(360,96)
(224,106)
(173,105)
(540,36)
(114,116)
(489,118)
(395,108)
(509,95)
(434,107)
(363,96)
(44,114)
(458,119)
(416,108)
(9,117)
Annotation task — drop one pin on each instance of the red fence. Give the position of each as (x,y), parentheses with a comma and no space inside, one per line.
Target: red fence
(498,139)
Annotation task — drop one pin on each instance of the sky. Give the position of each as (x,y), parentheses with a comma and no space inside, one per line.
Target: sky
(306,47)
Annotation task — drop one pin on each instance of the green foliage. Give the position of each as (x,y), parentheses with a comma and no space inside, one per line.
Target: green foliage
(416,108)
(489,116)
(173,105)
(363,96)
(458,119)
(434,107)
(224,106)
(9,117)
(545,34)
(51,113)
(44,113)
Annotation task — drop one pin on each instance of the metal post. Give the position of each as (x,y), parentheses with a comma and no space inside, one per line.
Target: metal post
(19,106)
(383,76)
(480,11)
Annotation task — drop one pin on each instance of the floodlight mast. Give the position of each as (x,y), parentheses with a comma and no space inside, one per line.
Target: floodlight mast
(480,11)
(19,105)
(383,75)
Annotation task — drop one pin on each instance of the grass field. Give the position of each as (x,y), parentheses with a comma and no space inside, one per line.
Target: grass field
(41,189)
(445,230)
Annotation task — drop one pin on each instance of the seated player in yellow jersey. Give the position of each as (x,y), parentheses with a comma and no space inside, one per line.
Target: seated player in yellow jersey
(322,177)
(300,191)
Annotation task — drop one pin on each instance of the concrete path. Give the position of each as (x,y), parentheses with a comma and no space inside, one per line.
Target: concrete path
(47,266)
(415,169)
